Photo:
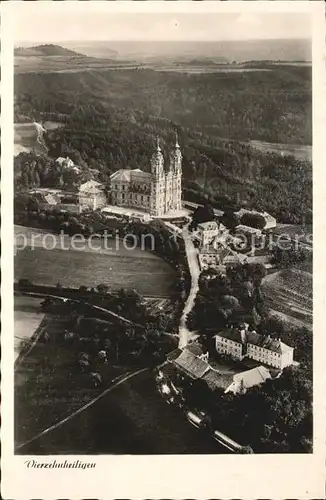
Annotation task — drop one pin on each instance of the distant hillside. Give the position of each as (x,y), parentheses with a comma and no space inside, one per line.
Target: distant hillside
(45,50)
(229,50)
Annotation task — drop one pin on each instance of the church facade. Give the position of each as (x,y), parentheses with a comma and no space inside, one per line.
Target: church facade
(157,192)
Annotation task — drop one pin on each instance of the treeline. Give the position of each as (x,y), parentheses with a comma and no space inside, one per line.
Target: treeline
(128,303)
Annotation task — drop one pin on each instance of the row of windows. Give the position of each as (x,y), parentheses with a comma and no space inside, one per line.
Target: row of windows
(254,350)
(133,197)
(258,350)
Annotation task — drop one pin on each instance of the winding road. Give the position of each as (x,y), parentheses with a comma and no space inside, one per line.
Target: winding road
(185,335)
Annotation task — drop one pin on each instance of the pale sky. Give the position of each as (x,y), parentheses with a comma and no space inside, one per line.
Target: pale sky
(32,23)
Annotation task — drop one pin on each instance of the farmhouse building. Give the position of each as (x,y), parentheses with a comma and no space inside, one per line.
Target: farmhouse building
(193,362)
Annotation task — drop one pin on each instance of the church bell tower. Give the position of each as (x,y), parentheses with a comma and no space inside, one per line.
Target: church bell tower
(157,199)
(176,167)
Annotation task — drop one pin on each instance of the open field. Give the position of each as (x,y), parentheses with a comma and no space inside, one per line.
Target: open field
(298,151)
(40,238)
(132,419)
(66,64)
(27,318)
(76,268)
(25,136)
(289,293)
(117,266)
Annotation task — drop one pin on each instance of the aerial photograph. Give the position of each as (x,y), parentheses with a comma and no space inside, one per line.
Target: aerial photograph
(162,233)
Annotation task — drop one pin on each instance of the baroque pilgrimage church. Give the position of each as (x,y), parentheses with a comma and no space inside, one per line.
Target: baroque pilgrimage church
(157,192)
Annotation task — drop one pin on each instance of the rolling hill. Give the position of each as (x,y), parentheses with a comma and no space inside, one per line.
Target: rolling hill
(45,50)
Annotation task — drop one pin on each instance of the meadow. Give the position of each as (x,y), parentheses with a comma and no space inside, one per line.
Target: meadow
(138,270)
(301,152)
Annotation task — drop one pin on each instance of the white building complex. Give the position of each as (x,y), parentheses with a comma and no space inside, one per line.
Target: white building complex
(241,343)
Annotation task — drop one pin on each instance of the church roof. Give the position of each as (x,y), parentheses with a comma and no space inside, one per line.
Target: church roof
(130,175)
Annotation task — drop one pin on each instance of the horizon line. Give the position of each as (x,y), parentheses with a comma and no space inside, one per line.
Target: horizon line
(186,40)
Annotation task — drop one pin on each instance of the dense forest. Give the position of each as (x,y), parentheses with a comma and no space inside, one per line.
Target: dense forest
(112,117)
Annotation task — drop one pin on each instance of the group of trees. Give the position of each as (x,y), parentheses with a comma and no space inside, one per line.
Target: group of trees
(202,214)
(32,170)
(116,129)
(118,342)
(275,417)
(289,257)
(229,299)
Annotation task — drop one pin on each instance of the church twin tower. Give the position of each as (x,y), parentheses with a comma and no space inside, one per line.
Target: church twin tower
(166,185)
(157,192)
